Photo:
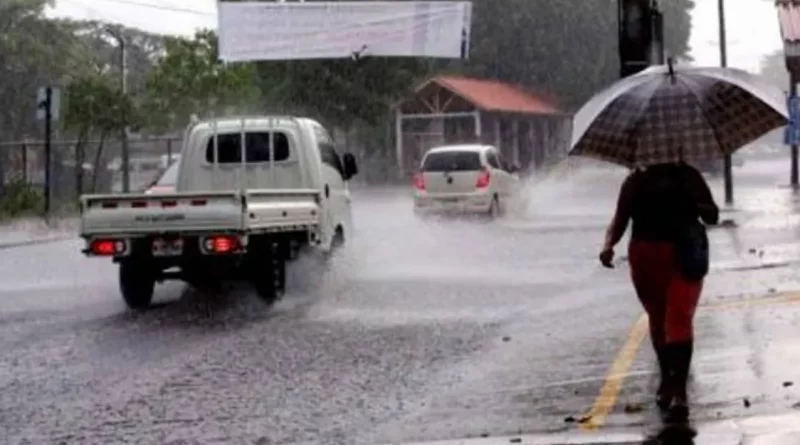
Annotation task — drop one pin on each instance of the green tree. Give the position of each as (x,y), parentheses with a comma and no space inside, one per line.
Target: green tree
(34,52)
(95,105)
(189,79)
(341,92)
(142,51)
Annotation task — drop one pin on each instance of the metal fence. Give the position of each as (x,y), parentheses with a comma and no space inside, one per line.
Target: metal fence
(23,162)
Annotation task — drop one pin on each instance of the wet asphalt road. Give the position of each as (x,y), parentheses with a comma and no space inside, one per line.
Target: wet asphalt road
(420,331)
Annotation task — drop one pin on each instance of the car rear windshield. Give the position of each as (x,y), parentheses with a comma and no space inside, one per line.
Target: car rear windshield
(256,147)
(452,161)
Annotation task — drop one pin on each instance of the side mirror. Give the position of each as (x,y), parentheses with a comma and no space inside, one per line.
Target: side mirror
(350,166)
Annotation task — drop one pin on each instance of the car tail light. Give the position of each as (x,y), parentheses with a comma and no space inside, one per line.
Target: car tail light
(221,244)
(169,203)
(483,179)
(199,202)
(108,247)
(419,181)
(139,204)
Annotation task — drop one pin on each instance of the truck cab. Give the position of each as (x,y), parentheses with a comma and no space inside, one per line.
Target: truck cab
(303,156)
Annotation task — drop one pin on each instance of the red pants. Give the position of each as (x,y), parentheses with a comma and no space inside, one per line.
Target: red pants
(669,300)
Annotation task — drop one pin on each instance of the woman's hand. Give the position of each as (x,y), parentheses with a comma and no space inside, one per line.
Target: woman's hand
(607,257)
(709,213)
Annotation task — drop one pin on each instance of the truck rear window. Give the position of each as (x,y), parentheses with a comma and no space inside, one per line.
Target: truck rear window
(256,147)
(452,161)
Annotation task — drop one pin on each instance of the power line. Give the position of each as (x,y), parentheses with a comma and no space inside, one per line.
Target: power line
(161,7)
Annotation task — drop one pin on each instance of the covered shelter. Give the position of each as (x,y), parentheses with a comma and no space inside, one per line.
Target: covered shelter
(527,128)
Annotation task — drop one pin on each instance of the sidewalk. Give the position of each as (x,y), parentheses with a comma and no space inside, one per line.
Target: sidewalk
(23,232)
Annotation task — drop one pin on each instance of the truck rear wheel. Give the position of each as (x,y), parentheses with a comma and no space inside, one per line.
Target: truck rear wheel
(269,276)
(137,283)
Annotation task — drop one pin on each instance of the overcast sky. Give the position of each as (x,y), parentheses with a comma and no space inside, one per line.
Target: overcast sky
(752,25)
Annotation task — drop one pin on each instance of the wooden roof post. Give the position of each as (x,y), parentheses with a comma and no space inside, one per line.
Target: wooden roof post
(515,140)
(398,142)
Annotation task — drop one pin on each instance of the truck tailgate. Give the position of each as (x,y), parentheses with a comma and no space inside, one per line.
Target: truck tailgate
(274,210)
(134,214)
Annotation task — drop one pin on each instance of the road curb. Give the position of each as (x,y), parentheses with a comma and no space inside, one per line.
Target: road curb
(718,435)
(12,245)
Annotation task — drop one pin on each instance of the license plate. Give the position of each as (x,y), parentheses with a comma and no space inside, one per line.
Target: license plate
(449,200)
(167,247)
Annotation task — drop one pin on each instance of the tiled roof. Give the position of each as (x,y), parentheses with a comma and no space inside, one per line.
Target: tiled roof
(789,19)
(492,95)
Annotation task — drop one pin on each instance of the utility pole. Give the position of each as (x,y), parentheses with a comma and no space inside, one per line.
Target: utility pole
(723,61)
(48,151)
(793,93)
(123,73)
(48,101)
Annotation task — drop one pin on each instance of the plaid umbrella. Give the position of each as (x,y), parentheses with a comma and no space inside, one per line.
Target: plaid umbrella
(665,114)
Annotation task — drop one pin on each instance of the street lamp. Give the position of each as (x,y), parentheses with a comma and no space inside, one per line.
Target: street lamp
(123,73)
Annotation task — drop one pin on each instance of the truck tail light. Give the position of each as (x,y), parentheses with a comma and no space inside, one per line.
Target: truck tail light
(108,247)
(221,244)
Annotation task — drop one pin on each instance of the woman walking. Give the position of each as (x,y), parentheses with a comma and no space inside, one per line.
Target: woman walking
(665,203)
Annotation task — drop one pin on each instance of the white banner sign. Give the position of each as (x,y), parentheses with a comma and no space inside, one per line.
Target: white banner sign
(250,31)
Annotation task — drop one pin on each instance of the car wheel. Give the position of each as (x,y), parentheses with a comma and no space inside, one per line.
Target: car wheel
(494,208)
(338,239)
(269,282)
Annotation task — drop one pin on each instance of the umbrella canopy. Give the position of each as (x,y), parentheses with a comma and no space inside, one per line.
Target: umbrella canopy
(663,115)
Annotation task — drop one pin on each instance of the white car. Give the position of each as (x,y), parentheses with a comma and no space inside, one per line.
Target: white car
(165,183)
(464,179)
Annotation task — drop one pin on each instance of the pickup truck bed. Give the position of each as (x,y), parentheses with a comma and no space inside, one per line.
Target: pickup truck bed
(251,211)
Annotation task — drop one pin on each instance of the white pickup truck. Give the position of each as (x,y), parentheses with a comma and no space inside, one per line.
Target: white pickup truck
(251,193)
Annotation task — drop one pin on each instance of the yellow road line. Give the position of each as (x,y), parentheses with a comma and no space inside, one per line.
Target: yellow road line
(605,401)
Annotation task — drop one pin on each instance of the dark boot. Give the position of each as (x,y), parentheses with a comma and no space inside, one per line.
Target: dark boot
(681,359)
(663,393)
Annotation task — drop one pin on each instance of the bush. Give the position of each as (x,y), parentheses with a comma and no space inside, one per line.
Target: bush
(19,198)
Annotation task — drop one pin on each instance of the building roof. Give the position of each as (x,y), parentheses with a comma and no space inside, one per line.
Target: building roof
(789,19)
(490,95)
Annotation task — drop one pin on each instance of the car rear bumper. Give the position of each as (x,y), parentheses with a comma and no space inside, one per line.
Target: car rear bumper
(443,204)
